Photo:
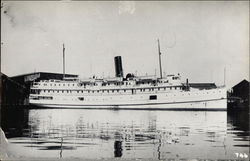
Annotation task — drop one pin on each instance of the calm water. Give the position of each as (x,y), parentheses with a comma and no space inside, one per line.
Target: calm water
(95,134)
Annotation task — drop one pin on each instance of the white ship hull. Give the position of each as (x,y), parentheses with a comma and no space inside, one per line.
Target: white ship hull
(213,99)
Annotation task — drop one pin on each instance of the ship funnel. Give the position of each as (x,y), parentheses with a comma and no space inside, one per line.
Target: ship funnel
(118,66)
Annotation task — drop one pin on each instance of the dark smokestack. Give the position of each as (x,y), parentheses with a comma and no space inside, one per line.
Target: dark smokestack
(187,84)
(118,66)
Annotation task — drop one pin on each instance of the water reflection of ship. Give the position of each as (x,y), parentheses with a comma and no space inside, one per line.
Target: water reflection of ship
(145,131)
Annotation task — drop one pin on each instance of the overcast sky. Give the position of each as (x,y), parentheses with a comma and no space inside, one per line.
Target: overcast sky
(198,39)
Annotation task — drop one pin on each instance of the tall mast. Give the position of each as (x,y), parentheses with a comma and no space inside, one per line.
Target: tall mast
(63,61)
(159,50)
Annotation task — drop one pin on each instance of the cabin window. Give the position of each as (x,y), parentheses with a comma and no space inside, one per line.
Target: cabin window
(62,91)
(153,97)
(124,90)
(112,91)
(170,88)
(175,87)
(59,84)
(117,90)
(92,91)
(77,91)
(81,98)
(164,88)
(159,89)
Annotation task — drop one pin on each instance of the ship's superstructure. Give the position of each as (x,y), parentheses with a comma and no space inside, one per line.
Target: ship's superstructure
(130,92)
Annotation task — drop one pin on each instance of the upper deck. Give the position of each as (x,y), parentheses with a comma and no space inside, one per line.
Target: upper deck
(109,83)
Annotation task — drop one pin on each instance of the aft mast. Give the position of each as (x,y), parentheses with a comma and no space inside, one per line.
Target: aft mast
(159,50)
(63,61)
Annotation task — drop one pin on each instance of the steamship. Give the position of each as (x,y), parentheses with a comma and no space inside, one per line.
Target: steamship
(126,92)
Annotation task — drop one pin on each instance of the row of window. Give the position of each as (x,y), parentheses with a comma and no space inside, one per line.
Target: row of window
(42,98)
(151,97)
(108,91)
(95,84)
(58,84)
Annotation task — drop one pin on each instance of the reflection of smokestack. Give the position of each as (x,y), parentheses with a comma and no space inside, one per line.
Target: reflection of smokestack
(118,66)
(118,148)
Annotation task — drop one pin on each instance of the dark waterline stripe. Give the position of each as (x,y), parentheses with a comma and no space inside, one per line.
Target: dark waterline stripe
(115,106)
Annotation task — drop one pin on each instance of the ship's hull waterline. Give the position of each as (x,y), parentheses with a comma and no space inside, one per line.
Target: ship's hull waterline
(220,104)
